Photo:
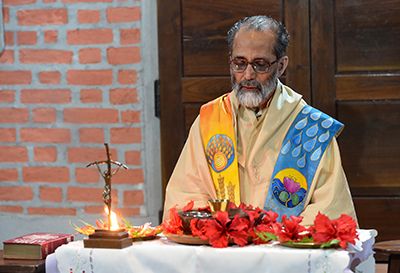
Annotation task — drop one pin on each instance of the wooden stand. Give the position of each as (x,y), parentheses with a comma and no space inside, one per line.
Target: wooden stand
(391,248)
(103,238)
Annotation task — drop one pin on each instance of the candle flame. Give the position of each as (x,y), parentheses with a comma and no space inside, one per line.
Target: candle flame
(114,219)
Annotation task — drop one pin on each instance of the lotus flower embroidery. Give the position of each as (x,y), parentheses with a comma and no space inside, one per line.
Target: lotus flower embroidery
(289,195)
(291,185)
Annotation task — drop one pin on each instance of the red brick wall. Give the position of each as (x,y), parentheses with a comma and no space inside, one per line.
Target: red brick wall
(70,80)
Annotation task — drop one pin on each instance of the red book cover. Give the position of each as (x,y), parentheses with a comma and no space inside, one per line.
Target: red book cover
(34,245)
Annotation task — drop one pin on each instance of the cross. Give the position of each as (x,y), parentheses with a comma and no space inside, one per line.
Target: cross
(107,174)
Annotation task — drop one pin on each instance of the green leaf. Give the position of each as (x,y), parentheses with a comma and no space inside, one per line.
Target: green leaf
(267,236)
(330,243)
(283,196)
(307,240)
(295,199)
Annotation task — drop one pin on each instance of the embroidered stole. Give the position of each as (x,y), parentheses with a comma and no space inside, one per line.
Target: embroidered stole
(298,160)
(302,149)
(219,142)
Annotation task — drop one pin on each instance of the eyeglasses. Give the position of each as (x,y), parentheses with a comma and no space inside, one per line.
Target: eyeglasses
(259,65)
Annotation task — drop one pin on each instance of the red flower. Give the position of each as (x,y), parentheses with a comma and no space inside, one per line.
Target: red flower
(323,230)
(217,231)
(189,206)
(291,229)
(174,223)
(346,230)
(199,228)
(342,229)
(269,217)
(238,230)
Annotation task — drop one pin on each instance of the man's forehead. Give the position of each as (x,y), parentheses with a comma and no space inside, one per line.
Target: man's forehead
(257,41)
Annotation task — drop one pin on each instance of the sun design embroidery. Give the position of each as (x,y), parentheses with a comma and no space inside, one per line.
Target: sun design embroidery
(220,152)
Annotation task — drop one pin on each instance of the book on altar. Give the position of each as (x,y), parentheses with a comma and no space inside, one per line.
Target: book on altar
(34,246)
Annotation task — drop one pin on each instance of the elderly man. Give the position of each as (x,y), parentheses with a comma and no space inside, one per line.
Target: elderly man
(261,144)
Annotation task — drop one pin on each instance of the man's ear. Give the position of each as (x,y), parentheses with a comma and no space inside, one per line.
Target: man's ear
(282,64)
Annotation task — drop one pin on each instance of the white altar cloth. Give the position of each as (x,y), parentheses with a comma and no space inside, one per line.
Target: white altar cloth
(164,256)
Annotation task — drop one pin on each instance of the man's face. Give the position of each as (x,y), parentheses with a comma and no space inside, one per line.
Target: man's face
(254,88)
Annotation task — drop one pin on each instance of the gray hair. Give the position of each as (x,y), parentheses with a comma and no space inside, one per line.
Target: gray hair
(261,23)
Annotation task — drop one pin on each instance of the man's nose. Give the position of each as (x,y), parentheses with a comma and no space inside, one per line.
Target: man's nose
(250,73)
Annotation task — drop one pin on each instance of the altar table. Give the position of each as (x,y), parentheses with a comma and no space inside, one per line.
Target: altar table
(164,256)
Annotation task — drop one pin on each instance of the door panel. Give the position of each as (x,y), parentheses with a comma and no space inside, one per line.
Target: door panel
(367,35)
(204,27)
(355,77)
(345,60)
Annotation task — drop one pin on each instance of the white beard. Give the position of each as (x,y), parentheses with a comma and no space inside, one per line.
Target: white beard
(254,98)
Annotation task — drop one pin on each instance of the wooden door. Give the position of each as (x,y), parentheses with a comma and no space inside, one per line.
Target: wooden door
(355,57)
(193,59)
(344,59)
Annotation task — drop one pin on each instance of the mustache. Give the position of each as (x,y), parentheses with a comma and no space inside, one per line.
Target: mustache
(251,83)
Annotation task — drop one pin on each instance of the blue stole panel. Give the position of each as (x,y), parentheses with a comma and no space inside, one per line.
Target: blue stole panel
(298,160)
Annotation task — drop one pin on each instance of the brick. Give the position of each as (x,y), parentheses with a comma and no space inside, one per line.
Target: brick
(127,76)
(8,175)
(128,212)
(89,77)
(9,38)
(87,1)
(132,198)
(45,174)
(7,57)
(45,135)
(132,157)
(94,209)
(131,176)
(91,95)
(11,209)
(44,115)
(7,96)
(51,211)
(123,96)
(13,154)
(88,16)
(18,2)
(45,56)
(123,14)
(41,17)
(15,77)
(89,55)
(87,155)
(89,36)
(6,15)
(13,115)
(45,154)
(45,96)
(129,36)
(130,116)
(123,55)
(26,38)
(90,115)
(91,135)
(50,194)
(50,36)
(50,77)
(125,135)
(87,175)
(16,193)
(85,194)
(8,135)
